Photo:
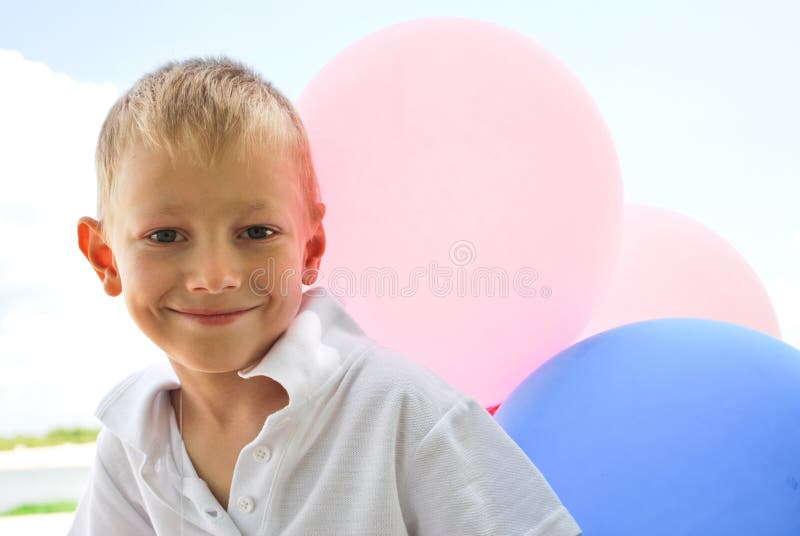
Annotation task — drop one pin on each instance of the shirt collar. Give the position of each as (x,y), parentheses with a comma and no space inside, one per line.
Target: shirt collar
(299,360)
(320,338)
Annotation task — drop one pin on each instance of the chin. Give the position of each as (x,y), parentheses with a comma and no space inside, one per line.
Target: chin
(208,367)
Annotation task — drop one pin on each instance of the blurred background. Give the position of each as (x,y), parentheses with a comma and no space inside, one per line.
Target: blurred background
(700,98)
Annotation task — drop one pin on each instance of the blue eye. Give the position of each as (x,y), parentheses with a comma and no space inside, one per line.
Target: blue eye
(164,232)
(261,228)
(169,235)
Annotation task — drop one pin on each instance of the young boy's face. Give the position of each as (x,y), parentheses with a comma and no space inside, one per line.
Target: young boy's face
(211,252)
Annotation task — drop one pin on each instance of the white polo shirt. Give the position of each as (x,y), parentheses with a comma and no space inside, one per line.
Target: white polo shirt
(371,443)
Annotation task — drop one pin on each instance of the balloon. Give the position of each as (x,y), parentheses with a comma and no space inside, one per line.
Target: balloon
(672,266)
(672,426)
(473,193)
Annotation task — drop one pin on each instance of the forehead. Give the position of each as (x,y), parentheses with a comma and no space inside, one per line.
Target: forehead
(152,184)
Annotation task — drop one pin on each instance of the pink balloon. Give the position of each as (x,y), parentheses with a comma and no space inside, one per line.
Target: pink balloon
(672,266)
(454,152)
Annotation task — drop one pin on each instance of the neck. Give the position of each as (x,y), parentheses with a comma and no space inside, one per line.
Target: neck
(224,400)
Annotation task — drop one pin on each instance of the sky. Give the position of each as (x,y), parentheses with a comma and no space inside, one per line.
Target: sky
(700,98)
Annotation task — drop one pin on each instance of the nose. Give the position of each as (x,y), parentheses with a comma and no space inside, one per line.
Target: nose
(214,268)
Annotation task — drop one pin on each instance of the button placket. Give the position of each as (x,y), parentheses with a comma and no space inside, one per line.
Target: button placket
(246,504)
(205,506)
(262,454)
(282,423)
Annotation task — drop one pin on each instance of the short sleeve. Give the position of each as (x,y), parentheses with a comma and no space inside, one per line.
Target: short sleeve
(108,505)
(468,477)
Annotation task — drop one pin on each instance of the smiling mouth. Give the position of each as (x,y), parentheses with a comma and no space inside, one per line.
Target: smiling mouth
(212,312)
(216,319)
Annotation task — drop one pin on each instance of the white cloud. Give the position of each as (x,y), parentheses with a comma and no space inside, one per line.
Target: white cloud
(60,334)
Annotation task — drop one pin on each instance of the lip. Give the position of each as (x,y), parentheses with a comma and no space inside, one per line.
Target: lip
(215,318)
(213,312)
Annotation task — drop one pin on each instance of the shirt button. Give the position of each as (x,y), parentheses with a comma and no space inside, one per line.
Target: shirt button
(246,504)
(262,454)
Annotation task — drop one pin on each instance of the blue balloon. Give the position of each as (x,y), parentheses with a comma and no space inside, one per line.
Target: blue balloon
(674,426)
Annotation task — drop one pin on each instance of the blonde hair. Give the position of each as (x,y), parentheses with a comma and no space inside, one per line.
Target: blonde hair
(201,108)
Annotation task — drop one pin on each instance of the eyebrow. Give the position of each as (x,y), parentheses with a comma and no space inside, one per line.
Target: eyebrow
(175,208)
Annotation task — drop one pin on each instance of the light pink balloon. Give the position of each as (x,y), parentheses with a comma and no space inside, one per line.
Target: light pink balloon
(457,146)
(673,266)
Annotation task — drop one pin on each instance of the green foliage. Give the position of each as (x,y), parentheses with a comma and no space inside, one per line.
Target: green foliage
(54,437)
(47,508)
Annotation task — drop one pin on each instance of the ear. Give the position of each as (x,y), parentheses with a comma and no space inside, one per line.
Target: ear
(315,247)
(99,255)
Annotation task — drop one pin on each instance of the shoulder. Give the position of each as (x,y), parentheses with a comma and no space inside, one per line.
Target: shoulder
(388,376)
(138,408)
(113,454)
(371,369)
(112,502)
(381,366)
(147,381)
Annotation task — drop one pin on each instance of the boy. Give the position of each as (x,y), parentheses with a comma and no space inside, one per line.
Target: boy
(276,413)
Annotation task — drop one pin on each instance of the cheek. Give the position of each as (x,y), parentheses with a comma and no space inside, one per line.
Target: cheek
(280,271)
(144,278)
(294,265)
(283,258)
